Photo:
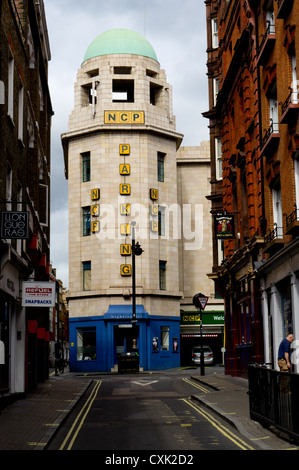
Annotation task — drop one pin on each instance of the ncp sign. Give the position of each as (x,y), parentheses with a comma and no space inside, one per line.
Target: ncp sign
(38,294)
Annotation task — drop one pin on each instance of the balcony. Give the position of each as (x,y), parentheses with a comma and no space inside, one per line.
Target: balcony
(267,44)
(270,139)
(283,8)
(290,108)
(274,240)
(292,222)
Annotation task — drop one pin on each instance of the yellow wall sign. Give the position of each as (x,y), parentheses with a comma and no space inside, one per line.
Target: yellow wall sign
(125,189)
(124,149)
(95,194)
(154,224)
(95,210)
(154,193)
(125,229)
(125,209)
(125,249)
(125,269)
(95,226)
(154,209)
(124,169)
(124,117)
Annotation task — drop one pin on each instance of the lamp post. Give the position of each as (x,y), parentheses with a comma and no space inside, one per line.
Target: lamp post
(200,301)
(136,251)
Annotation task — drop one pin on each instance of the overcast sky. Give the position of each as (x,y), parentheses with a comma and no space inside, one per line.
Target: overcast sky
(177,31)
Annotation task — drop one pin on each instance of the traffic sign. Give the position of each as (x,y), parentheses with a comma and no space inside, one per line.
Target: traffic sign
(200,301)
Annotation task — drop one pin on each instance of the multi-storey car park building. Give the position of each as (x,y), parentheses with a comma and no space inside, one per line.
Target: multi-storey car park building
(122,160)
(253,119)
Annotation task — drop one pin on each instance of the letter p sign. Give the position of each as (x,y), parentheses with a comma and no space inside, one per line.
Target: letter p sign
(124,149)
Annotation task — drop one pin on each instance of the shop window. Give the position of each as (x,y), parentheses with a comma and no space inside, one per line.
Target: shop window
(162,275)
(85,166)
(86,221)
(164,338)
(123,91)
(86,275)
(86,344)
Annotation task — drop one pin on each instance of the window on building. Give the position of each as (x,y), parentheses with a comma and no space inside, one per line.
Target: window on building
(160,166)
(277,210)
(214,25)
(86,275)
(8,186)
(122,91)
(162,275)
(86,221)
(86,344)
(11,65)
(215,89)
(161,220)
(218,158)
(43,204)
(164,338)
(85,166)
(294,84)
(21,113)
(155,93)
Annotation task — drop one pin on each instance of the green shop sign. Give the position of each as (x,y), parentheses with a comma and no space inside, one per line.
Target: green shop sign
(208,318)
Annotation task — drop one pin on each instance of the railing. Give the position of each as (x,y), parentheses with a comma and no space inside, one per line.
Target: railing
(273,234)
(273,399)
(291,99)
(292,217)
(270,29)
(272,129)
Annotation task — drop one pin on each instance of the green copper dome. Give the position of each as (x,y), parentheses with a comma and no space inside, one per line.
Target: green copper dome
(120,41)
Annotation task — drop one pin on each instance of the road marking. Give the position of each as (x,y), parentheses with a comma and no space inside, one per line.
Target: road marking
(144,383)
(200,387)
(224,430)
(86,406)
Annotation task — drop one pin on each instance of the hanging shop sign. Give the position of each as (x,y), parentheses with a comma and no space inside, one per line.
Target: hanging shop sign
(224,226)
(38,294)
(14,224)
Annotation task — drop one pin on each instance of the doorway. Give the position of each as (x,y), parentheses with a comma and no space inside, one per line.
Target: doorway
(126,339)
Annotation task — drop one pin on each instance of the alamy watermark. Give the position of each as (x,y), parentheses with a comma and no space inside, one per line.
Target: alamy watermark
(155,221)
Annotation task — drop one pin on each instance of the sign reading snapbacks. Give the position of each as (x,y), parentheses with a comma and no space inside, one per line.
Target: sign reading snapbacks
(38,294)
(200,301)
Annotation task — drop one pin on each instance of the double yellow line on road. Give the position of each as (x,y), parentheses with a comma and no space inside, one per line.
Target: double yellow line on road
(78,423)
(224,430)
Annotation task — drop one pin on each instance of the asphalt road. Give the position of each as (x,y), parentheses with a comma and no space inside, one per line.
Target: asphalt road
(151,413)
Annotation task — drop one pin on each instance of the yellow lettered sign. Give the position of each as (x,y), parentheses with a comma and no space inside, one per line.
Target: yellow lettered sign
(125,189)
(95,210)
(95,226)
(125,249)
(124,169)
(154,193)
(124,117)
(95,194)
(125,209)
(154,209)
(124,149)
(125,269)
(154,225)
(125,229)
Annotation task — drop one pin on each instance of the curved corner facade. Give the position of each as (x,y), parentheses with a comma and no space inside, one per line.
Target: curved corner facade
(120,160)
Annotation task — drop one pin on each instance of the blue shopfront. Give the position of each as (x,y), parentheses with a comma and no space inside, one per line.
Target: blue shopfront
(97,342)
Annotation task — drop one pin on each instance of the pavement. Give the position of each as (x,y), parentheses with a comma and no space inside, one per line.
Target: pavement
(30,422)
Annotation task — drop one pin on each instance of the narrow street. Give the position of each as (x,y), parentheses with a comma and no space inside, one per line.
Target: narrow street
(147,413)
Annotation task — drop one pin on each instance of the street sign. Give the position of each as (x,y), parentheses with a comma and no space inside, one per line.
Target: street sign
(200,301)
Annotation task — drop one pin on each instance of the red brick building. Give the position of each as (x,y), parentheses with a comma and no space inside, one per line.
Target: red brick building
(25,124)
(253,118)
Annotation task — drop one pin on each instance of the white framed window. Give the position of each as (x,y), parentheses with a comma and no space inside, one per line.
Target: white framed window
(277,210)
(214,26)
(218,158)
(11,66)
(215,89)
(21,113)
